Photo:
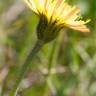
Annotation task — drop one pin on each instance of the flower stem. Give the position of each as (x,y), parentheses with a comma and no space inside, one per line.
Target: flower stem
(39,44)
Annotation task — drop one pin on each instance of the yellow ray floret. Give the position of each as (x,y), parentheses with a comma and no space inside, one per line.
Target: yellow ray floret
(60,11)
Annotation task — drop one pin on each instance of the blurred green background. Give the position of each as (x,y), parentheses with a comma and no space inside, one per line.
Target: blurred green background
(64,67)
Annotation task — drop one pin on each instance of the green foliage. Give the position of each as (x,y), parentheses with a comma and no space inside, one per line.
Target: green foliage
(68,70)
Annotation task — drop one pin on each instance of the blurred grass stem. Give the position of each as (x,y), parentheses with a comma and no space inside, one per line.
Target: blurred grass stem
(52,60)
(39,44)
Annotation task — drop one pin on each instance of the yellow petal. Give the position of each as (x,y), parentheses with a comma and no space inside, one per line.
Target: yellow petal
(72,14)
(31,5)
(79,27)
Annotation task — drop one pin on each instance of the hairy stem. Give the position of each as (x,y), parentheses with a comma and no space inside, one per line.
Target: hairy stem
(25,66)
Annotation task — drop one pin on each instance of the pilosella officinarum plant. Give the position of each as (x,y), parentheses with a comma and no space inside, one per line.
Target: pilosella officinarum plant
(54,15)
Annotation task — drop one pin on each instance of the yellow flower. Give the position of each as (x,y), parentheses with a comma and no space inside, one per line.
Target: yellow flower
(55,15)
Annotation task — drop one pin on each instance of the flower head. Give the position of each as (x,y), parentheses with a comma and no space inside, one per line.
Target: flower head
(55,15)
